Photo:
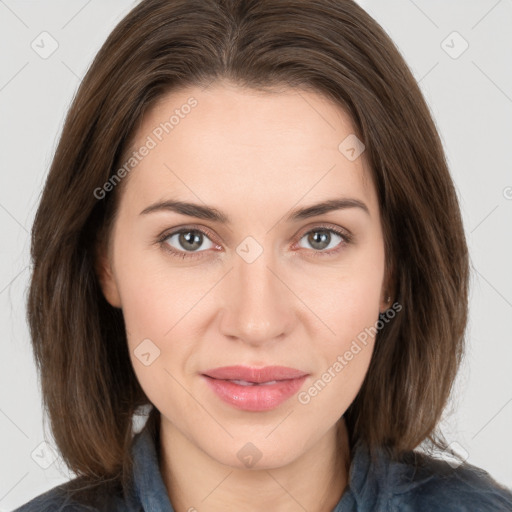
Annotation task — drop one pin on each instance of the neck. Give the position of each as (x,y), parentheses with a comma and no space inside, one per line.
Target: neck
(314,481)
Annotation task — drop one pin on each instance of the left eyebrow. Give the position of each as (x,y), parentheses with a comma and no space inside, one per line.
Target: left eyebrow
(326,207)
(215,215)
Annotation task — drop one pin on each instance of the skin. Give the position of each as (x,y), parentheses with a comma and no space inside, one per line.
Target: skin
(254,156)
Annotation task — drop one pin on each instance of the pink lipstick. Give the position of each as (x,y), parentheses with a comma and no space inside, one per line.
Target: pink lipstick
(255,389)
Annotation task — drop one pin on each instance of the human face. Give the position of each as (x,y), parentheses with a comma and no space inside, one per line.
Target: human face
(265,288)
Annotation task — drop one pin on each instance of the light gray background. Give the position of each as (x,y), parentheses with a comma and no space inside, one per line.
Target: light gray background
(471,99)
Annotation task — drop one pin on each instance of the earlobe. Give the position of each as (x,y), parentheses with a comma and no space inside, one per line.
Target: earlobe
(104,272)
(385,303)
(387,292)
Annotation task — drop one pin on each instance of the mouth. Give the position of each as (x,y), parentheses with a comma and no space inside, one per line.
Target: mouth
(254,389)
(247,375)
(246,383)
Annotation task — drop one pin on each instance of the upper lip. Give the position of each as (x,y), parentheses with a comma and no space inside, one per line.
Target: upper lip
(250,374)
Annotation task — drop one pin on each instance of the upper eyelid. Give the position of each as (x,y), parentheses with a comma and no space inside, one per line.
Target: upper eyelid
(172,232)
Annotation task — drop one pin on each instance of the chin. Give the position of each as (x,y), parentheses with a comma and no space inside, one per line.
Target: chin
(255,455)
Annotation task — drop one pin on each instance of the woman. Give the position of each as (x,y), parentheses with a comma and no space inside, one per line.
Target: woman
(250,230)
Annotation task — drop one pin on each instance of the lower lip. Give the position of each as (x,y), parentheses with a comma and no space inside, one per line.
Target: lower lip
(255,398)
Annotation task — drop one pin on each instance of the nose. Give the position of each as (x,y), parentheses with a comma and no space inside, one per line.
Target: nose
(257,305)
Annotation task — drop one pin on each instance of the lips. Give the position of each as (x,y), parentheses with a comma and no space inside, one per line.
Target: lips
(248,375)
(254,389)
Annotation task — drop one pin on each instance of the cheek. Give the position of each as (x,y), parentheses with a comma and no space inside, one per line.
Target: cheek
(155,317)
(342,365)
(346,297)
(154,294)
(350,307)
(161,306)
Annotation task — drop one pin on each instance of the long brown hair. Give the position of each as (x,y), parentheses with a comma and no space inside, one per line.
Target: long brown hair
(333,47)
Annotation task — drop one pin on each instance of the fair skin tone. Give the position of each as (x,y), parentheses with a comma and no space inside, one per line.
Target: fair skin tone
(256,157)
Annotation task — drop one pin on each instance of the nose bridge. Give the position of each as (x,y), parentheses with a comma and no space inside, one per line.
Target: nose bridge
(258,305)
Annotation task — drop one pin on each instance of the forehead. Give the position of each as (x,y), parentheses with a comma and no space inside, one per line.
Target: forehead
(247,147)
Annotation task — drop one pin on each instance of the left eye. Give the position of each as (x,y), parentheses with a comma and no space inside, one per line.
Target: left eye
(319,237)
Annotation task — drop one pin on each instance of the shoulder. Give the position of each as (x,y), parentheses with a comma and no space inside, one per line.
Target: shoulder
(426,483)
(55,500)
(417,481)
(77,496)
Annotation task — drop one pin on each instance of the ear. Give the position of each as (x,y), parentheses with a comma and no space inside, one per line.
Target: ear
(384,302)
(388,291)
(105,274)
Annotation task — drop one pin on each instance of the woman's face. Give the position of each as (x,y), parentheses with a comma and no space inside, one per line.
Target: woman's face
(257,284)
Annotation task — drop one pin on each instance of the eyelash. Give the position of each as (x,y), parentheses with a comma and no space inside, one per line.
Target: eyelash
(346,240)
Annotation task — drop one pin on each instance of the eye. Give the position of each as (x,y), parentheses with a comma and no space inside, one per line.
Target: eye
(323,240)
(187,241)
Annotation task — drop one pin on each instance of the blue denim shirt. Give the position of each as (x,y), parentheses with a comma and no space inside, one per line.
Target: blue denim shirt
(384,485)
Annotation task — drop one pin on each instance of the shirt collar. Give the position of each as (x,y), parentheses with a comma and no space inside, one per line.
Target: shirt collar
(149,486)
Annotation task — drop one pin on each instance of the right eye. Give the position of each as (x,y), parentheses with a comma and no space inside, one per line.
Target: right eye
(186,242)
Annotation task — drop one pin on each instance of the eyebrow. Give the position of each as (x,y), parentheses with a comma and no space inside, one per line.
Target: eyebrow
(215,215)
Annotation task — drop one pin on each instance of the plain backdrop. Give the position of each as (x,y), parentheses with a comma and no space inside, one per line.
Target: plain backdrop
(460,51)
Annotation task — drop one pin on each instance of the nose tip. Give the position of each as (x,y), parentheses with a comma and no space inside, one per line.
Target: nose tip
(257,305)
